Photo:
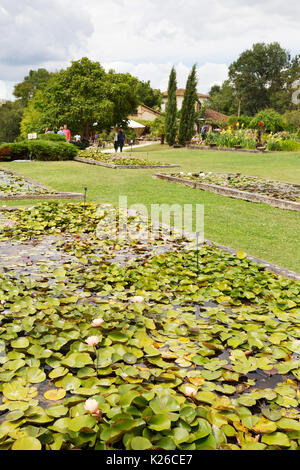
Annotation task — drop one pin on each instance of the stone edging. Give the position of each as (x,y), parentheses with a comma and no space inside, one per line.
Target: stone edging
(90,161)
(56,195)
(233,193)
(233,149)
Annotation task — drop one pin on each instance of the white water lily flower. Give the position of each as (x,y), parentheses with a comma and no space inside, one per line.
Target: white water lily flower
(138,299)
(97,322)
(93,340)
(91,406)
(190,392)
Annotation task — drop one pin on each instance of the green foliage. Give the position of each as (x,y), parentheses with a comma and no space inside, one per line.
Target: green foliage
(259,77)
(52,137)
(33,119)
(197,379)
(40,150)
(272,121)
(293,118)
(223,99)
(80,96)
(25,90)
(171,109)
(236,122)
(278,142)
(188,111)
(246,139)
(10,119)
(146,95)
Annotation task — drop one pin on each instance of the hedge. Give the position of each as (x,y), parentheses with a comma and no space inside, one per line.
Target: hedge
(52,137)
(38,150)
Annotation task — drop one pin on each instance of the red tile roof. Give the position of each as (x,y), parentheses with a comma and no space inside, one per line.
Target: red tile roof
(180,92)
(215,115)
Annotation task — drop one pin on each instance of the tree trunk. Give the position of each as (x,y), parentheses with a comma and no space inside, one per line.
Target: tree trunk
(86,131)
(239,108)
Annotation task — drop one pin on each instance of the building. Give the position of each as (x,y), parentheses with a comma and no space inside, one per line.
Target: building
(144,113)
(179,97)
(2,101)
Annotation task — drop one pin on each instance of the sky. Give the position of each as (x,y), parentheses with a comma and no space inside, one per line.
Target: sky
(142,37)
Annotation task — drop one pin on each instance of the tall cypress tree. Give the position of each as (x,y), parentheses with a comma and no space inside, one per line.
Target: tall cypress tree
(171,109)
(188,112)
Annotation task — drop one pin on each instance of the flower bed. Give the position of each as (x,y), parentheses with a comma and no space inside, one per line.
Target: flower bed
(96,157)
(146,353)
(14,186)
(275,193)
(247,139)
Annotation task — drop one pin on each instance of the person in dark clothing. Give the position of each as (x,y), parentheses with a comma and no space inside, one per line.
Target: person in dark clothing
(121,139)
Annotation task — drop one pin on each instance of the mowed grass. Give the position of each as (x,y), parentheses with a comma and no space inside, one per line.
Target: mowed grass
(261,230)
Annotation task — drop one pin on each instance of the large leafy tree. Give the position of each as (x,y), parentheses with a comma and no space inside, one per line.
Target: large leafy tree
(188,111)
(84,96)
(25,90)
(10,118)
(259,76)
(148,96)
(171,109)
(223,99)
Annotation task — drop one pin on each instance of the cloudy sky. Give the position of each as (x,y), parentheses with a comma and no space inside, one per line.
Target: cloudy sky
(143,37)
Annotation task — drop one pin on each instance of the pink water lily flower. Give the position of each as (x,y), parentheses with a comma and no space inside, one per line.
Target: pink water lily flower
(138,299)
(190,392)
(97,322)
(92,407)
(93,341)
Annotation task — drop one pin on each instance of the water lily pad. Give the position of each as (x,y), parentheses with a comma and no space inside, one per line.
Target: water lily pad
(27,443)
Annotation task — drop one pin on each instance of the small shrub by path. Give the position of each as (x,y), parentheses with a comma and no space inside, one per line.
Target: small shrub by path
(117,161)
(274,193)
(16,187)
(111,344)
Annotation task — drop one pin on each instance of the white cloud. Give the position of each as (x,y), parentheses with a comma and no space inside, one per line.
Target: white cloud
(143,38)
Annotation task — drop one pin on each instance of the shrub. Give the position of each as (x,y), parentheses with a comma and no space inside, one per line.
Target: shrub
(42,150)
(293,119)
(239,122)
(272,121)
(52,137)
(5,153)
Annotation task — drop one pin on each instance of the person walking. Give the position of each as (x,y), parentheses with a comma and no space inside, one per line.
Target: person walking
(67,133)
(116,141)
(121,139)
(61,131)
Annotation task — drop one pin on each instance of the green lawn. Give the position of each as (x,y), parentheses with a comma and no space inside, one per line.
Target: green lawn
(269,233)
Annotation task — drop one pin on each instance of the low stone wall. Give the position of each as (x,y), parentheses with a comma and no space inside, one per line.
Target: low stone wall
(56,195)
(233,193)
(226,149)
(90,161)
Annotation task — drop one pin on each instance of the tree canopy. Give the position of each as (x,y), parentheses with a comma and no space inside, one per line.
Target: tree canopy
(188,111)
(171,109)
(84,96)
(262,76)
(10,118)
(148,96)
(25,90)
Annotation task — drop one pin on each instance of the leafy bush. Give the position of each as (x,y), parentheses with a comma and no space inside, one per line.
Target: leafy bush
(293,119)
(280,143)
(41,150)
(239,122)
(271,120)
(5,153)
(52,137)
